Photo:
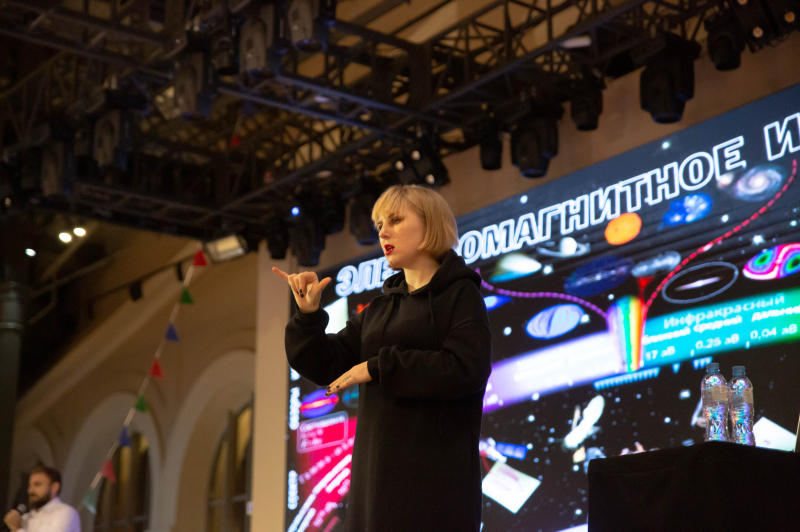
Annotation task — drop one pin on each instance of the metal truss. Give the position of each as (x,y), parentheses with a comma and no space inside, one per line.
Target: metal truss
(314,119)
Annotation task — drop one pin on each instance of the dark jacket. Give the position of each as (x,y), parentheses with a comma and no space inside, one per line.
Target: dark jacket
(416,464)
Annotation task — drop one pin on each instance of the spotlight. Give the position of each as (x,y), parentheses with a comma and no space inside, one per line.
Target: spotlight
(193,93)
(535,141)
(586,106)
(135,290)
(309,23)
(331,211)
(759,20)
(29,252)
(113,139)
(79,231)
(667,82)
(422,166)
(226,248)
(65,237)
(223,56)
(361,225)
(278,241)
(295,211)
(256,37)
(725,41)
(307,240)
(491,146)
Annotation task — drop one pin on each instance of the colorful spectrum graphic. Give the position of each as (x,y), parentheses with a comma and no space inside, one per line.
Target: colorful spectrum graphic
(774,263)
(625,324)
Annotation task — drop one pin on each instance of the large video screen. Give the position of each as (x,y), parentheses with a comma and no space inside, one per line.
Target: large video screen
(608,291)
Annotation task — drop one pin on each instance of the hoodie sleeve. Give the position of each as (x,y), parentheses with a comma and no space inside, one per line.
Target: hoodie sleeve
(319,357)
(462,367)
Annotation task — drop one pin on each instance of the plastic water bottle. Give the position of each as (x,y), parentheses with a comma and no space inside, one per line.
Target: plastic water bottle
(741,406)
(714,391)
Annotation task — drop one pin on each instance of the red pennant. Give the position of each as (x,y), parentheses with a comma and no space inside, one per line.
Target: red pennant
(156,371)
(108,472)
(200,259)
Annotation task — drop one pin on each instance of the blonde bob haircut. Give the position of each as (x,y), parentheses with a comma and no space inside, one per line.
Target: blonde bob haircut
(441,231)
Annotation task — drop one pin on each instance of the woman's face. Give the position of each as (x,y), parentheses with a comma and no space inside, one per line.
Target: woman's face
(401,234)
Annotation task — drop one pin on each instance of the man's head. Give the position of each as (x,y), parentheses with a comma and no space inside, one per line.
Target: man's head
(44,484)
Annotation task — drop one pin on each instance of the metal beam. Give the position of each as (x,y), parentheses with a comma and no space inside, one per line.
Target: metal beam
(89,21)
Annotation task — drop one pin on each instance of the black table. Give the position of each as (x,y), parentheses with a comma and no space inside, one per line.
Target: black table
(707,487)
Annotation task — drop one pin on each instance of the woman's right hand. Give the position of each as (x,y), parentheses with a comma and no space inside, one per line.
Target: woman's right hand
(306,288)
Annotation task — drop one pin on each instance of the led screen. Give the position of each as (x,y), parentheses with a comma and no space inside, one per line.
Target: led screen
(608,291)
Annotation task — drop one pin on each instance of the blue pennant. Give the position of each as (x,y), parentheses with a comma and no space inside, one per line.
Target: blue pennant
(172,336)
(124,439)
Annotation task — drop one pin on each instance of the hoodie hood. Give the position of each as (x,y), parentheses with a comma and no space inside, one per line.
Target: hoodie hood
(452,269)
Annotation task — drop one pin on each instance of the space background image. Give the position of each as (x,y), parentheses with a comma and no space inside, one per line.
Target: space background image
(608,292)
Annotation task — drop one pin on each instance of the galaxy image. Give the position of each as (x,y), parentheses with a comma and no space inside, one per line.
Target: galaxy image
(607,297)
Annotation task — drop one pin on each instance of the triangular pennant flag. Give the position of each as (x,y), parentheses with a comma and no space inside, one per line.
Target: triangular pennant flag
(141,404)
(200,259)
(124,439)
(90,501)
(108,472)
(186,298)
(172,336)
(156,371)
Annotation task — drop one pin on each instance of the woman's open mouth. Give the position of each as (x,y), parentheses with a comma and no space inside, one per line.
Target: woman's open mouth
(388,249)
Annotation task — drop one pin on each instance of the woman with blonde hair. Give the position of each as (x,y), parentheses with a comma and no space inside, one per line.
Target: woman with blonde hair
(421,355)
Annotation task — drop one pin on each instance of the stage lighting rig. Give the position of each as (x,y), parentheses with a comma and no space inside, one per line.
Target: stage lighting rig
(587,104)
(278,240)
(114,135)
(725,42)
(59,168)
(422,165)
(361,226)
(534,140)
(667,82)
(194,86)
(261,39)
(309,23)
(307,239)
(491,145)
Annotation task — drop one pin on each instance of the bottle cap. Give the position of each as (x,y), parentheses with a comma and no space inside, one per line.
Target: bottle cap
(712,367)
(738,371)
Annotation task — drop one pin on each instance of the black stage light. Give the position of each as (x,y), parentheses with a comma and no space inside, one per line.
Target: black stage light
(491,144)
(667,82)
(534,141)
(784,14)
(331,212)
(309,23)
(587,105)
(278,241)
(726,41)
(307,239)
(223,56)
(361,225)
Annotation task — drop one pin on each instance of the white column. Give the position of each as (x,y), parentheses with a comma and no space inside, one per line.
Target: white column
(271,371)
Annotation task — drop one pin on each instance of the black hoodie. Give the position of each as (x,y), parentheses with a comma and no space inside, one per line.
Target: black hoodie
(416,464)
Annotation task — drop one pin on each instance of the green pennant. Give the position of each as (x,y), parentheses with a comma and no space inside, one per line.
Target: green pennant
(90,501)
(141,404)
(186,299)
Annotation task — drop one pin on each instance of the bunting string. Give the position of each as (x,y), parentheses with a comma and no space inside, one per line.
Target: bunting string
(107,471)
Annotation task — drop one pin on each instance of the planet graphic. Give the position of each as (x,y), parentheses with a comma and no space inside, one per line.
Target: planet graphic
(598,276)
(774,263)
(658,265)
(316,404)
(567,247)
(757,184)
(687,210)
(554,321)
(700,282)
(514,266)
(623,228)
(493,302)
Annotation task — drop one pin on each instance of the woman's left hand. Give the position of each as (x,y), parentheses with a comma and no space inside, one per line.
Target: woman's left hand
(356,375)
